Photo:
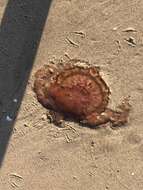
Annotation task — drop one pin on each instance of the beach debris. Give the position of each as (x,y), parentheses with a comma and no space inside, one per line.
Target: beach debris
(72,42)
(68,139)
(131,41)
(26,125)
(119,44)
(82,34)
(67,56)
(16,175)
(129,29)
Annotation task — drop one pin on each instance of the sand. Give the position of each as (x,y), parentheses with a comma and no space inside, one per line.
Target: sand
(105,33)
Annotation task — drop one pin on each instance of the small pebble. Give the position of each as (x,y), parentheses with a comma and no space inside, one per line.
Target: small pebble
(92,143)
(15,100)
(75,177)
(115,28)
(26,125)
(8,118)
(132,173)
(44,117)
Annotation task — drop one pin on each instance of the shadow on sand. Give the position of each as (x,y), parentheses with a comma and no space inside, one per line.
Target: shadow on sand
(20,33)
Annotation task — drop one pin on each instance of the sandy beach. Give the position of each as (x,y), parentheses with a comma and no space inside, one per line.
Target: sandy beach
(104,33)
